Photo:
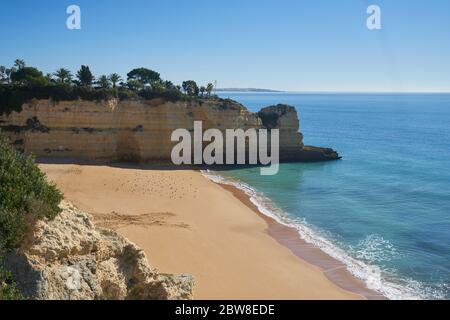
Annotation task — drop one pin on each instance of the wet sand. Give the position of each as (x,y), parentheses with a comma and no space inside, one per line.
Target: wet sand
(334,270)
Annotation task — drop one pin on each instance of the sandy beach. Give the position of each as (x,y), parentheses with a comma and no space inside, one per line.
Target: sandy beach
(188,224)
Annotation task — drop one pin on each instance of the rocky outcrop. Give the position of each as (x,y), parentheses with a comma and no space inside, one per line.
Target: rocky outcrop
(140,131)
(70,259)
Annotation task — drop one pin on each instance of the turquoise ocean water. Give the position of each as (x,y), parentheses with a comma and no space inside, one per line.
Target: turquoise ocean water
(384,209)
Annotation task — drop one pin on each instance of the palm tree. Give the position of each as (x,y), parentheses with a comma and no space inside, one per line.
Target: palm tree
(114,78)
(63,75)
(103,82)
(19,63)
(209,88)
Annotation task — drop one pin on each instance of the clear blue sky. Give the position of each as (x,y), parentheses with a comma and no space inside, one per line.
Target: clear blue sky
(320,45)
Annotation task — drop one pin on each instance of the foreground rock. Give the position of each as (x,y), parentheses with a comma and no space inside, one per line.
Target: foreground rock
(70,259)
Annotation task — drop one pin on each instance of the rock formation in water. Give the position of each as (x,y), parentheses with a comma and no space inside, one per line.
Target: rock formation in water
(70,259)
(140,131)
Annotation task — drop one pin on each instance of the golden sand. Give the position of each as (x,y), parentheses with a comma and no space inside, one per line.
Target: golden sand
(188,224)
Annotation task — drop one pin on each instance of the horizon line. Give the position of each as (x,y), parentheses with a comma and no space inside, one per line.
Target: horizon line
(243,90)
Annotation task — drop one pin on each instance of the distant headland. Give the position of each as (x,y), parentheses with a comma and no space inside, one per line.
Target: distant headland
(246,90)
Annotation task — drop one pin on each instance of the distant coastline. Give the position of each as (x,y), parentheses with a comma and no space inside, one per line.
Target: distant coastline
(246,90)
(251,90)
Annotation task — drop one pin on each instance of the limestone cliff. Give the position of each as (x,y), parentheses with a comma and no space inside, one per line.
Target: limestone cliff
(138,130)
(70,259)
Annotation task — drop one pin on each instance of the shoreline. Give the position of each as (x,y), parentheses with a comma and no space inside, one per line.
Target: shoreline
(186,223)
(287,236)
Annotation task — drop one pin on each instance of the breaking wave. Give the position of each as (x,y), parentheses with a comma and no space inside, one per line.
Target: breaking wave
(362,261)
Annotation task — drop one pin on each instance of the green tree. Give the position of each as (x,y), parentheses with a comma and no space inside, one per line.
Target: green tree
(115,79)
(85,77)
(144,76)
(202,90)
(19,64)
(190,88)
(209,88)
(63,76)
(28,76)
(103,82)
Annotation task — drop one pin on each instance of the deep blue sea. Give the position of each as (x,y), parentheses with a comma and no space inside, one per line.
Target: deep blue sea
(384,209)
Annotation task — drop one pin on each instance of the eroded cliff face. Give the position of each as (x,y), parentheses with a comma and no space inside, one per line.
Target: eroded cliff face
(141,131)
(71,259)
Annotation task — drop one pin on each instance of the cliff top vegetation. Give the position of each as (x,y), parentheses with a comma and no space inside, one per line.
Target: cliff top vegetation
(20,84)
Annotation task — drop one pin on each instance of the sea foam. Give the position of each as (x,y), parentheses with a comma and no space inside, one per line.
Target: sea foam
(360,261)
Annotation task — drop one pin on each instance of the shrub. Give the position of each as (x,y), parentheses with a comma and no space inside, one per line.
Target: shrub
(126,94)
(12,99)
(25,196)
(172,95)
(8,289)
